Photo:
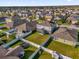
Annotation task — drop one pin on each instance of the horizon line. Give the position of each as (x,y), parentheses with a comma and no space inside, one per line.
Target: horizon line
(38,6)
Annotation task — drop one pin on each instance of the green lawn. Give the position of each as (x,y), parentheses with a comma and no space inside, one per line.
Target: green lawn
(45,55)
(40,21)
(59,22)
(2,24)
(37,38)
(4,29)
(1,34)
(64,49)
(29,51)
(16,44)
(11,37)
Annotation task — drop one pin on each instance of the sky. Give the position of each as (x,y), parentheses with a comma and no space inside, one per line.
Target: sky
(38,2)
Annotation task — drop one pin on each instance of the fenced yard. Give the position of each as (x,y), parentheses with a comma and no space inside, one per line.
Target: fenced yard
(37,38)
(64,49)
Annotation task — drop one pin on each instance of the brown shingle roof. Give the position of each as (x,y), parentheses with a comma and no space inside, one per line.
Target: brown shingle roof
(3,51)
(64,33)
(18,22)
(15,52)
(10,57)
(45,23)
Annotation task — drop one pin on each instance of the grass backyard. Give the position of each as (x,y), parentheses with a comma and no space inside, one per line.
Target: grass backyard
(40,21)
(64,49)
(1,34)
(29,51)
(2,24)
(4,29)
(37,38)
(45,55)
(11,37)
(16,44)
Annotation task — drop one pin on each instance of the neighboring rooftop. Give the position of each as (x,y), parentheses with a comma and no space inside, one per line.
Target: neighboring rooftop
(67,34)
(10,57)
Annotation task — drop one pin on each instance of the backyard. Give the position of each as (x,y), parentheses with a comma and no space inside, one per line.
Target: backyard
(45,55)
(11,37)
(29,51)
(39,21)
(2,24)
(64,49)
(37,38)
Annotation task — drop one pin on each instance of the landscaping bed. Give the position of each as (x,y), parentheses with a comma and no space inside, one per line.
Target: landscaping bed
(37,38)
(64,49)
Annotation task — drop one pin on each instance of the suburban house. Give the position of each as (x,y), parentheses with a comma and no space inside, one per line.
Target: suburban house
(9,23)
(10,57)
(2,19)
(24,25)
(65,35)
(31,25)
(57,18)
(46,27)
(16,53)
(73,19)
(48,17)
(20,24)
